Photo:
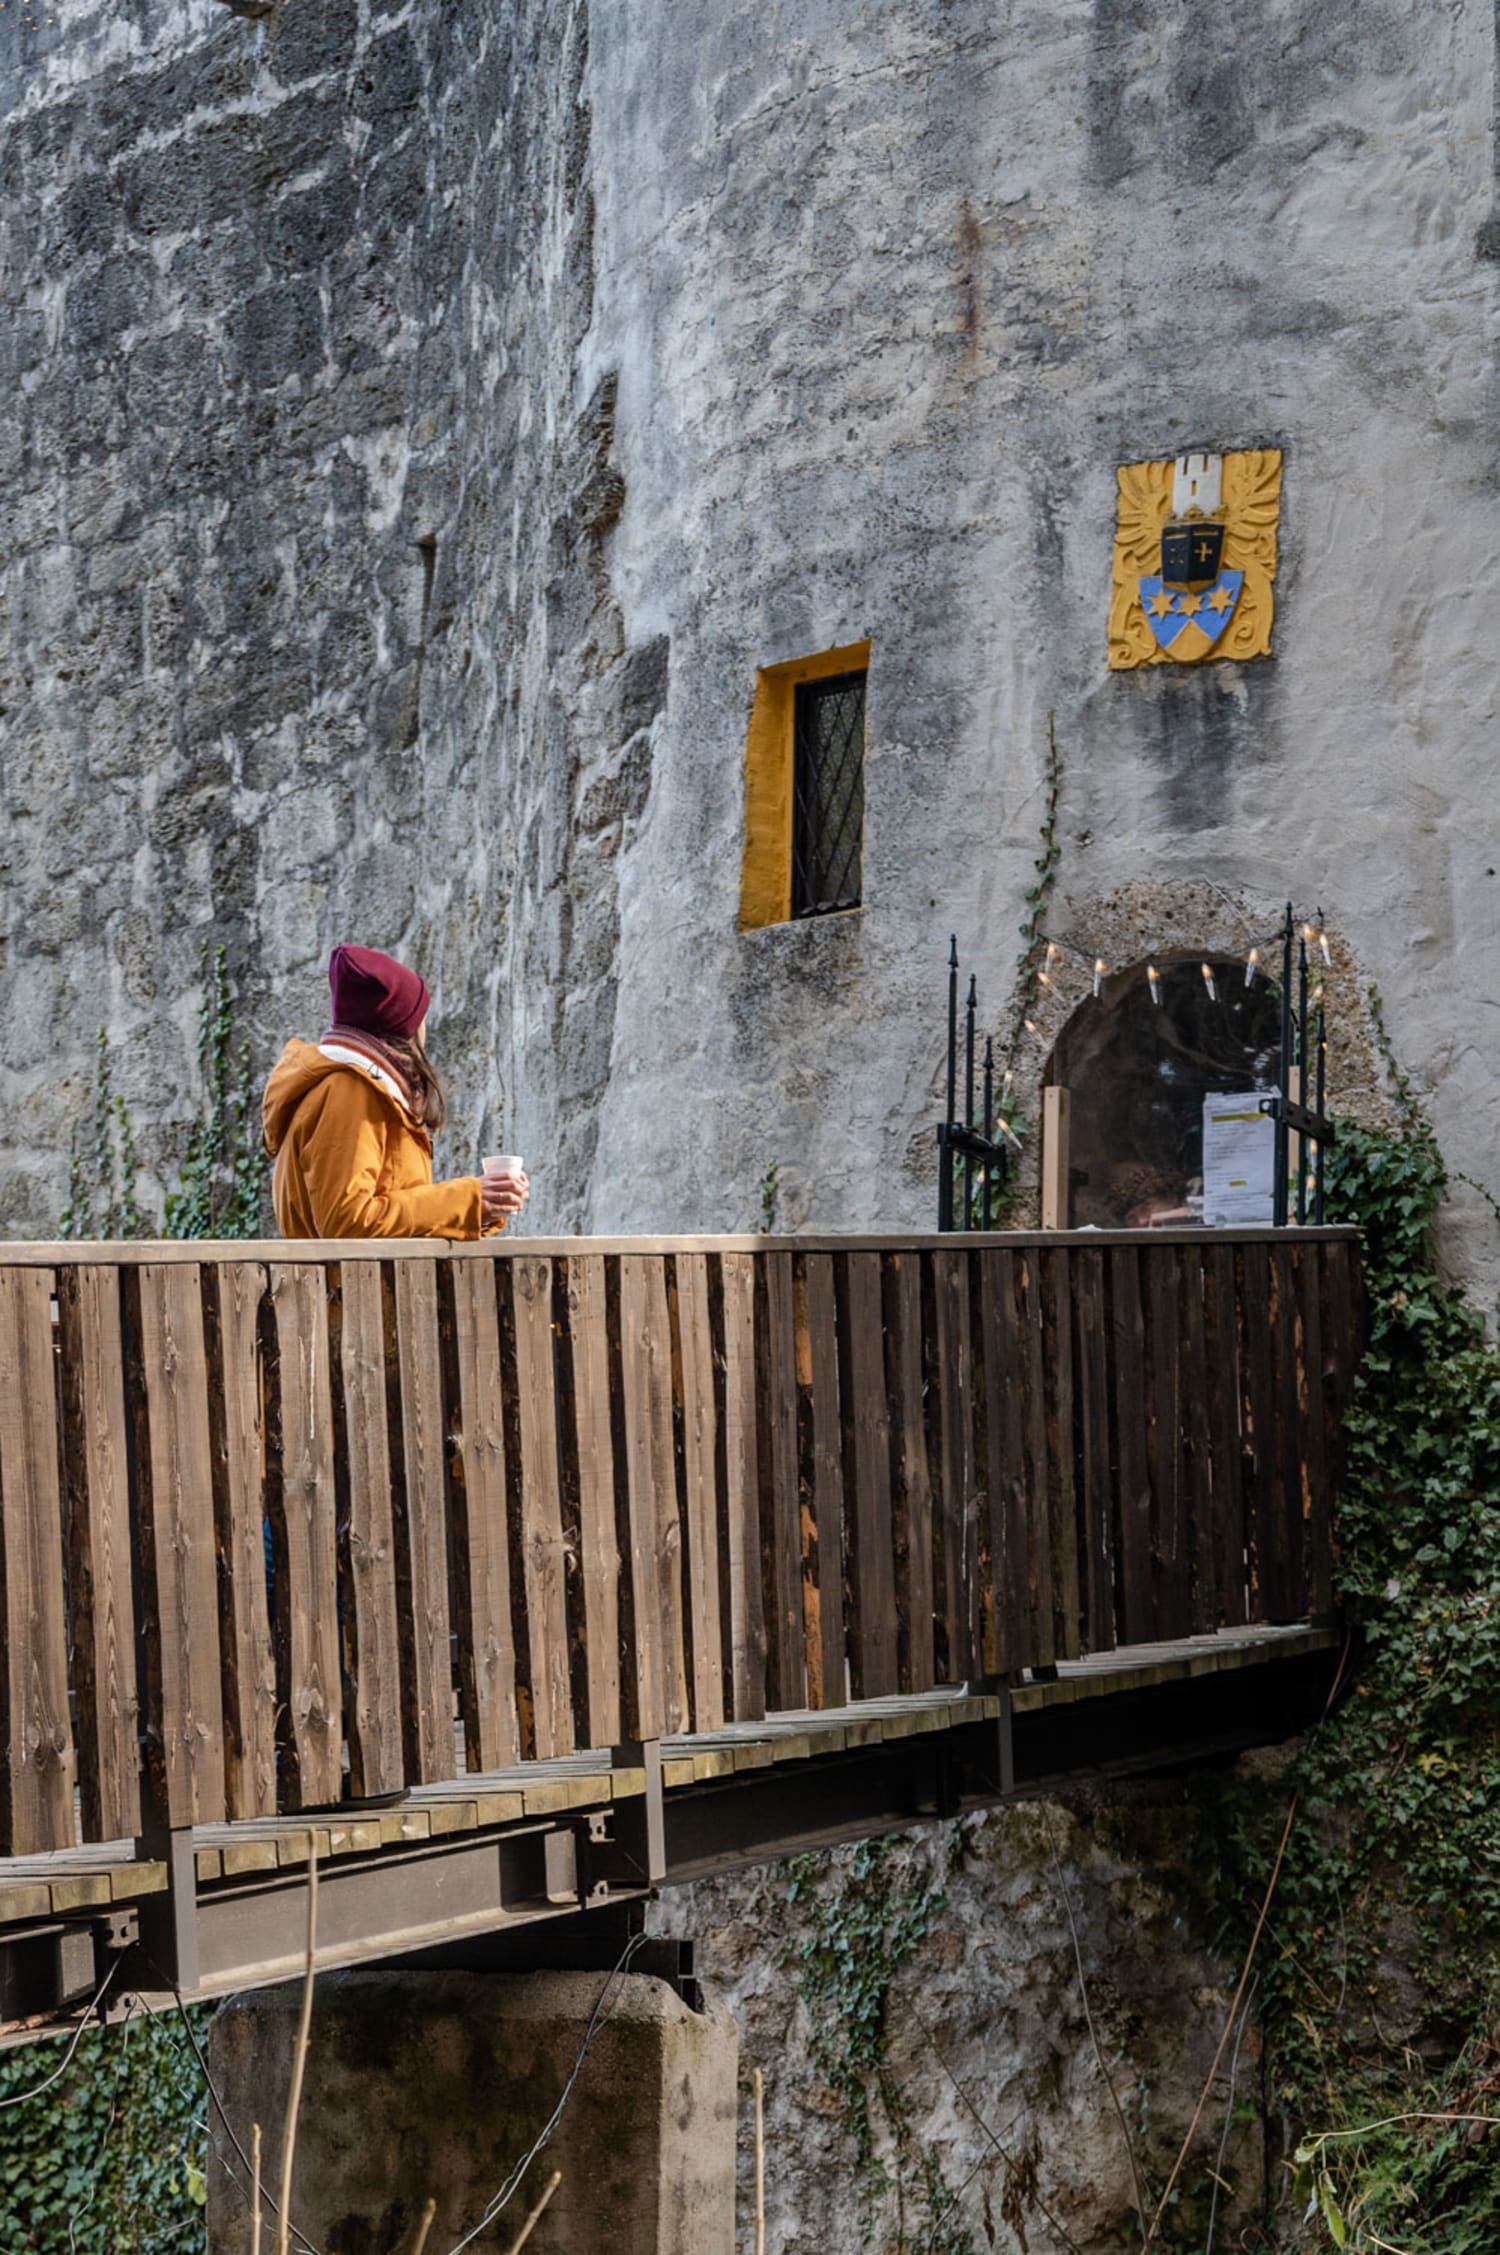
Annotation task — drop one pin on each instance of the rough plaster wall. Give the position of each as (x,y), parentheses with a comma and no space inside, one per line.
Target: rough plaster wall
(306,627)
(743,335)
(893,289)
(989,2043)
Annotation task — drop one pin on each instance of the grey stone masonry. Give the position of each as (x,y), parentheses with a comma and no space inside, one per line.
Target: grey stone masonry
(424,420)
(306,631)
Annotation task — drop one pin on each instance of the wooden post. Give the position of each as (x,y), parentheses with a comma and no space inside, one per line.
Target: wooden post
(1055,1151)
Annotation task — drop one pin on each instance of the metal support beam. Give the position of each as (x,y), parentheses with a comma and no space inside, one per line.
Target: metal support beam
(169,1921)
(640,1831)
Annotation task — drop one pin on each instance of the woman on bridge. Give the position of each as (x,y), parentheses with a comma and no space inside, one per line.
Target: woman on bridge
(350,1121)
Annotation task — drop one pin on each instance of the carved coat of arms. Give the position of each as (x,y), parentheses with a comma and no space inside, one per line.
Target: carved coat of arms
(1195,558)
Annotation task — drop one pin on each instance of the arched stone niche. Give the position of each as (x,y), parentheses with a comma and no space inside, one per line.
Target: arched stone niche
(1137,1071)
(1182,923)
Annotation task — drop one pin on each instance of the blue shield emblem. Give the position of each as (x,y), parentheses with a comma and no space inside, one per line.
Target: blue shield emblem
(1172,612)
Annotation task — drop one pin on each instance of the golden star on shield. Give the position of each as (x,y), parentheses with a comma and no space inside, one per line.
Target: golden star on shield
(1190,606)
(1160,605)
(1220,600)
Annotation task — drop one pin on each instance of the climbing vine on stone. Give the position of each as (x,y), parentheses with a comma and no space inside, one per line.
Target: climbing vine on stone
(1038,898)
(1380,1996)
(858,1927)
(219,1188)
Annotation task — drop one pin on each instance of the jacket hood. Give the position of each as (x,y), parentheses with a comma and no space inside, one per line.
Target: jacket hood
(300,1068)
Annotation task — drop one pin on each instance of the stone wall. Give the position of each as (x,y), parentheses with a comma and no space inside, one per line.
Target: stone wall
(991,2062)
(393,387)
(307,629)
(895,289)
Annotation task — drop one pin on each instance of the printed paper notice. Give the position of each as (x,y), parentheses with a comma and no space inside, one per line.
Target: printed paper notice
(1239,1162)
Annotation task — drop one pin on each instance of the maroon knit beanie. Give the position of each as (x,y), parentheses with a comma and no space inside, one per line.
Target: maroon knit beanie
(374,994)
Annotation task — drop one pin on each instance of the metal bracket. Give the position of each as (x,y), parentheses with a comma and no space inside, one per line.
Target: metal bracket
(1315,1126)
(169,1921)
(968,1142)
(119,1929)
(640,1823)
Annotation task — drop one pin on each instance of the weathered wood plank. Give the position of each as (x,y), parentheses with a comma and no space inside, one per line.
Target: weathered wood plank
(823,1482)
(1128,1342)
(306,1505)
(780,1496)
(865,1420)
(169,1396)
(36,1780)
(1169,1561)
(1258,1429)
(598,1537)
(137,1252)
(96,1448)
(1221,1344)
(1317,1564)
(957,1658)
(700,1442)
(422,1529)
(233,1297)
(543,1543)
(1057,1302)
(1044,1534)
(1343,1344)
(1094,1467)
(1198,1508)
(912,1495)
(1286,1330)
(651,1477)
(371,1624)
(747,1631)
(1006,1606)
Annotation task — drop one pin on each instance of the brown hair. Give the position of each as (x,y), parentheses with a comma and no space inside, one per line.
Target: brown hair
(429,1101)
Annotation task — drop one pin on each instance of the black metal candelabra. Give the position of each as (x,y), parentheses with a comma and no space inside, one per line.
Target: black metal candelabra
(1304,1046)
(964,1147)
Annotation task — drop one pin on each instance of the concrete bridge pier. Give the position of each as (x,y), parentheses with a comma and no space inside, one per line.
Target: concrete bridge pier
(424,2085)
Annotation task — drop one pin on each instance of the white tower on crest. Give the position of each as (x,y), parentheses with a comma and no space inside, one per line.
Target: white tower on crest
(1197,485)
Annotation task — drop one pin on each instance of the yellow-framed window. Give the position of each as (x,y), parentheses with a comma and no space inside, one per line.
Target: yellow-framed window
(804,788)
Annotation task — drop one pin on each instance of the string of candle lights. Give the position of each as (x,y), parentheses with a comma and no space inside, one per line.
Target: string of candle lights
(1314,936)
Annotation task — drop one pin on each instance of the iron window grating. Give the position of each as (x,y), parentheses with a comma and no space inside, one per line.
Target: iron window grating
(828,794)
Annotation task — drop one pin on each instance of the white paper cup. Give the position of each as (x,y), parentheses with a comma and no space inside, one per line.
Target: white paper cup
(503,1162)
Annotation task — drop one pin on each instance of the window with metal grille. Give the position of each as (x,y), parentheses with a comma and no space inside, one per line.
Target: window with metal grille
(828,794)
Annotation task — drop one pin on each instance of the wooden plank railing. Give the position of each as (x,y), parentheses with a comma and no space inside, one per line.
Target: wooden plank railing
(279,1521)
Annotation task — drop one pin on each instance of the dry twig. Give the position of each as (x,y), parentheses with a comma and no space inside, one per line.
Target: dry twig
(1138,2189)
(760,2163)
(536,2214)
(299,2055)
(1008,2161)
(1265,1911)
(255,2188)
(424,2227)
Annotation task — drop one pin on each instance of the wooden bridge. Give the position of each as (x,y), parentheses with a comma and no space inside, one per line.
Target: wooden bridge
(623,1561)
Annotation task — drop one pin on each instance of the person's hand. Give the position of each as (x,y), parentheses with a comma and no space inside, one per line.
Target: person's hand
(502,1195)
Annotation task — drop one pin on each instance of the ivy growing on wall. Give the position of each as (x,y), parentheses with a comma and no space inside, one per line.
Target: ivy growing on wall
(1379,1989)
(1038,898)
(857,1929)
(220,1183)
(110,2159)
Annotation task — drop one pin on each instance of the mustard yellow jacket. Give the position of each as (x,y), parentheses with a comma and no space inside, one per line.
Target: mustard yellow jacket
(350,1159)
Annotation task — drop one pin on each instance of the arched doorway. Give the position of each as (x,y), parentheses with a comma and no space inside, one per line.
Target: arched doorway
(1138,1071)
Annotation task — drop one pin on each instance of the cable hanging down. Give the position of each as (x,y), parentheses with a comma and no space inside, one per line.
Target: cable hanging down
(513,2182)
